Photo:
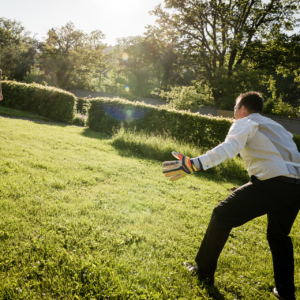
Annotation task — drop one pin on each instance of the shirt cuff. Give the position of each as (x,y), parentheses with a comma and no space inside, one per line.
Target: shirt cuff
(202,162)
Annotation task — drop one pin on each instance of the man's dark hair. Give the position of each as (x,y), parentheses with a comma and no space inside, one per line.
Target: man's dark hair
(253,101)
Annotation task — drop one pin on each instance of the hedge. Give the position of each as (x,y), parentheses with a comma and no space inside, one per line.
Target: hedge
(50,102)
(83,105)
(105,114)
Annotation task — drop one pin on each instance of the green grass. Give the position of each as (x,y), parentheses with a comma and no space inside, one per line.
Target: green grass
(160,148)
(82,219)
(5,111)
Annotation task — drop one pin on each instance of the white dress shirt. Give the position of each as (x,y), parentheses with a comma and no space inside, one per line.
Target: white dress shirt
(267,149)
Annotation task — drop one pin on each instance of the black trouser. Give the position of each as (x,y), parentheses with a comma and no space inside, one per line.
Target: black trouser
(280,201)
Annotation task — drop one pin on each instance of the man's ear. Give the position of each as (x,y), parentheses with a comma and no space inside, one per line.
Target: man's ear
(244,110)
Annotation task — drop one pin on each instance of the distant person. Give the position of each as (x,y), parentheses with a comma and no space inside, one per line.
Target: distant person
(273,162)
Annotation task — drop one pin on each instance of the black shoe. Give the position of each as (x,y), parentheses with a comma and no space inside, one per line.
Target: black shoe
(276,294)
(195,271)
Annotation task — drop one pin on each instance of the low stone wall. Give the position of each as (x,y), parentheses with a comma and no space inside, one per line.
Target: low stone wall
(206,110)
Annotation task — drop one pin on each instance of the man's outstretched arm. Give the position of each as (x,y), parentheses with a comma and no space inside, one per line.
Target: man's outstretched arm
(240,132)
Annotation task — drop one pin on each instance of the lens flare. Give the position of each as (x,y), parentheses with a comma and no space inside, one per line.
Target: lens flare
(125,56)
(127,89)
(127,114)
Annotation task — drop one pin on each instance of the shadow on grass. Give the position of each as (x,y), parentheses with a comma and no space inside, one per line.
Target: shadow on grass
(95,135)
(213,292)
(133,147)
(230,171)
(41,121)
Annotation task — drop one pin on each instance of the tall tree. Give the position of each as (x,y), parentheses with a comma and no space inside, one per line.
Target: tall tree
(74,56)
(17,49)
(217,35)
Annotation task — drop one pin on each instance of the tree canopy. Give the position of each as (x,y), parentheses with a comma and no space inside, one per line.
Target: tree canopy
(200,52)
(217,34)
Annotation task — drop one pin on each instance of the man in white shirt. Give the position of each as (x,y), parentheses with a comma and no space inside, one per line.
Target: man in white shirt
(273,162)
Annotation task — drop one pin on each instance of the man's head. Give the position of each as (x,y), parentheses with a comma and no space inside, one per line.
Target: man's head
(248,103)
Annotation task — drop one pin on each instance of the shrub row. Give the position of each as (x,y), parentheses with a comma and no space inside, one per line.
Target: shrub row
(107,114)
(50,102)
(83,105)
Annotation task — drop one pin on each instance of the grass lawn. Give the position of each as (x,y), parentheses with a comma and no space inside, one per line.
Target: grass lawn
(83,219)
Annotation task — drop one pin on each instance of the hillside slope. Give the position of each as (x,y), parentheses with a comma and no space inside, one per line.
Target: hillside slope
(80,219)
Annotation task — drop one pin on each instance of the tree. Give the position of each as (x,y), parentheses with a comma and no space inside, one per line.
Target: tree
(218,34)
(17,49)
(73,56)
(141,68)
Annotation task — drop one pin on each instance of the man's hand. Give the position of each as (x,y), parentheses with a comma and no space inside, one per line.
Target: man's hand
(177,169)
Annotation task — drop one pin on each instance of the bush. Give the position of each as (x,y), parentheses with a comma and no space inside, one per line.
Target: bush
(106,114)
(279,108)
(79,120)
(186,97)
(37,76)
(50,102)
(296,139)
(82,106)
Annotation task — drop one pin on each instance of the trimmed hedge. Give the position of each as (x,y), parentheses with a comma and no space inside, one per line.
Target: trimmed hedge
(83,105)
(107,114)
(50,102)
(296,139)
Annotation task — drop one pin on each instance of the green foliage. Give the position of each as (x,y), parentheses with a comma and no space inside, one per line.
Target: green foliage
(53,103)
(142,68)
(243,79)
(217,35)
(278,53)
(107,114)
(82,105)
(186,97)
(275,106)
(17,49)
(279,108)
(74,57)
(296,139)
(36,75)
(79,120)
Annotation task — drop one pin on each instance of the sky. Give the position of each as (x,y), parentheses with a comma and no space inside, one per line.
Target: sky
(115,18)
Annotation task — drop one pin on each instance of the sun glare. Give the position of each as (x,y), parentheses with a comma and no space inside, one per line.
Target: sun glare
(125,56)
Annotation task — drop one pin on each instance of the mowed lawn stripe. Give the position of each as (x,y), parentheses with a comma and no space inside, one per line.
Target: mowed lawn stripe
(80,219)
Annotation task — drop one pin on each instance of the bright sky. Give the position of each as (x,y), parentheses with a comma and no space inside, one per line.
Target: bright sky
(115,18)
